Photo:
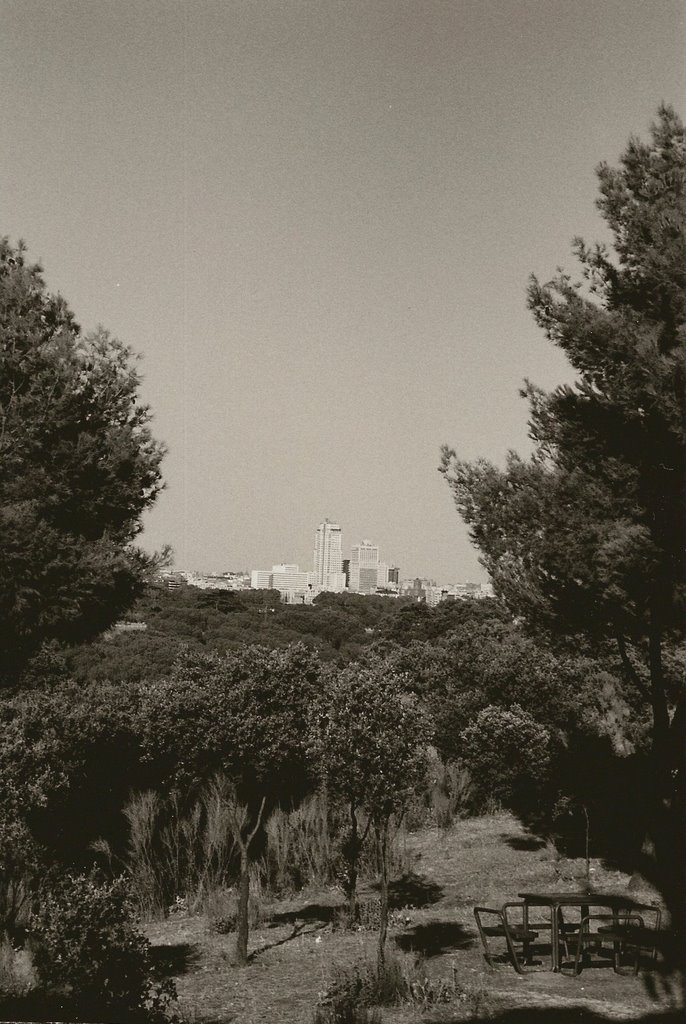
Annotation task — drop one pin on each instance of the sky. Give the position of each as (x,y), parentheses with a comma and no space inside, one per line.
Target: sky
(315,222)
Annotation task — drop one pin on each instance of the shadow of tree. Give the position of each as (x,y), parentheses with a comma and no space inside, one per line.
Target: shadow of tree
(412,891)
(559,1015)
(227,1018)
(435,937)
(322,913)
(522,842)
(174,960)
(298,929)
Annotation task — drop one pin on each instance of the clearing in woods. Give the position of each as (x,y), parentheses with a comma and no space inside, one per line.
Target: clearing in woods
(478,861)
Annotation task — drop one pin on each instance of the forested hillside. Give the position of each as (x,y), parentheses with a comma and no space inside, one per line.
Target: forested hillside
(340,627)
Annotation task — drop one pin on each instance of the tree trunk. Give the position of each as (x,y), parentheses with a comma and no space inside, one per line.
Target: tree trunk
(244,888)
(242,912)
(352,867)
(666,824)
(383,916)
(659,704)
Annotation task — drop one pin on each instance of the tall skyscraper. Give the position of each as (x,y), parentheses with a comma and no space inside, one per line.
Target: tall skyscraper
(364,567)
(328,557)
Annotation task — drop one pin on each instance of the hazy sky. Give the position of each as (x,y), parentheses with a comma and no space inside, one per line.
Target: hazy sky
(315,221)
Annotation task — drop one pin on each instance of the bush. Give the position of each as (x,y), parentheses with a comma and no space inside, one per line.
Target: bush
(507,753)
(345,1012)
(366,984)
(89,955)
(180,852)
(355,989)
(363,985)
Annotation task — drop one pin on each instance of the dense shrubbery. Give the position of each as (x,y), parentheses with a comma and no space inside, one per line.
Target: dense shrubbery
(68,758)
(88,951)
(90,961)
(70,755)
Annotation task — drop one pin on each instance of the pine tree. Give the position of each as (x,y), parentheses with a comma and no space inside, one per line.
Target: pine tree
(589,534)
(78,466)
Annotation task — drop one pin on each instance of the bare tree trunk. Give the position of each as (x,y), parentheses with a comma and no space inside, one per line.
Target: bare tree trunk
(242,912)
(659,702)
(352,849)
(667,825)
(352,867)
(383,916)
(244,889)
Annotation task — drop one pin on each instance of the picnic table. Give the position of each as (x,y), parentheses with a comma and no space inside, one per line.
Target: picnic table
(617,903)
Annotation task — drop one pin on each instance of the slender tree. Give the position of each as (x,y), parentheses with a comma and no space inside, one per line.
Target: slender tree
(588,535)
(244,713)
(370,737)
(78,467)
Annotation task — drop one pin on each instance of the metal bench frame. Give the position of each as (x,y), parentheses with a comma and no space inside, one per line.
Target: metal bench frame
(511,933)
(623,930)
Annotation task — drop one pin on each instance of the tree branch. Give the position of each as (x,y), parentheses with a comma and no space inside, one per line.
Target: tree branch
(252,834)
(366,830)
(630,670)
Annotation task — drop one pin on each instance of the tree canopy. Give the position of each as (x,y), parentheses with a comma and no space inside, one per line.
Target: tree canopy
(588,535)
(78,467)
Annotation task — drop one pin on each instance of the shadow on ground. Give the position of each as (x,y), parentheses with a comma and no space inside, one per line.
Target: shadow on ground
(44,1006)
(322,913)
(435,937)
(412,891)
(561,1015)
(299,928)
(522,842)
(174,960)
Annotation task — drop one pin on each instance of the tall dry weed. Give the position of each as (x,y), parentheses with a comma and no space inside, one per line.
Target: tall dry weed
(177,852)
(185,856)
(302,846)
(142,813)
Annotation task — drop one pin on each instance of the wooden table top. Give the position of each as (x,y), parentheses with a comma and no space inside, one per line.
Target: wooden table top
(585,899)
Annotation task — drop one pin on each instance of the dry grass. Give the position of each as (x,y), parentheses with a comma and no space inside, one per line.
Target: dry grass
(292,956)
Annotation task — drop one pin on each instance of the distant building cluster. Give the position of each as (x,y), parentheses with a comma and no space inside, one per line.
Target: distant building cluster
(206,581)
(362,573)
(428,592)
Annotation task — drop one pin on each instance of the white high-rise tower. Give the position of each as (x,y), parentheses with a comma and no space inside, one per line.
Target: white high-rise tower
(364,567)
(328,557)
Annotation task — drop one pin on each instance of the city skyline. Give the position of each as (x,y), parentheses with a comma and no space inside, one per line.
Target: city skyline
(330,570)
(315,222)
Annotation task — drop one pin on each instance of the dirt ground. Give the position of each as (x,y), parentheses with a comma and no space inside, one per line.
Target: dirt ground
(479,861)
